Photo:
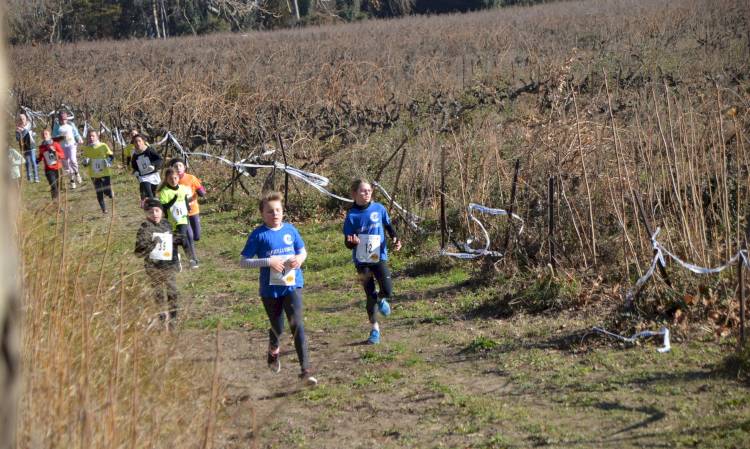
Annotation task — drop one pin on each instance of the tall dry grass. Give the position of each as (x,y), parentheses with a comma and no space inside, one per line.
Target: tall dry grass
(94,374)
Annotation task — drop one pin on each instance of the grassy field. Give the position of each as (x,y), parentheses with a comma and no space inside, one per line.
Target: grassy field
(453,369)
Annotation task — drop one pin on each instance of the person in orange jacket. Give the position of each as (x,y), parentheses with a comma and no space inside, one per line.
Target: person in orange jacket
(195,185)
(52,154)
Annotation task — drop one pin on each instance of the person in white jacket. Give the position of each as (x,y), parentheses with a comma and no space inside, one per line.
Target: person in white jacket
(67,133)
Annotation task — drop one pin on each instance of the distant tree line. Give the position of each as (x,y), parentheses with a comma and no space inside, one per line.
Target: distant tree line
(72,20)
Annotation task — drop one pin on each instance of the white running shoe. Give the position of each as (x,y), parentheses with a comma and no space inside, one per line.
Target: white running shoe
(274,362)
(307,378)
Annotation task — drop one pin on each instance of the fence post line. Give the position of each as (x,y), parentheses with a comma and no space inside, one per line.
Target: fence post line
(741,281)
(443,229)
(510,207)
(551,207)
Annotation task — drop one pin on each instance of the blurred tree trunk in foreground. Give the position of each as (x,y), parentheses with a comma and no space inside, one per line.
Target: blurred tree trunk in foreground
(9,307)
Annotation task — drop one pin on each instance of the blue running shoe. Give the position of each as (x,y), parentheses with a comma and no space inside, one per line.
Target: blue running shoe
(383,307)
(374,338)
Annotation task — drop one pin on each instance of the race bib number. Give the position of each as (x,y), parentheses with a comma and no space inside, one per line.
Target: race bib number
(143,164)
(98,165)
(368,249)
(286,278)
(50,157)
(178,210)
(163,249)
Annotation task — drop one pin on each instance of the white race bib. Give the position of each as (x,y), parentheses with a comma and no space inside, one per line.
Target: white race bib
(98,165)
(178,210)
(286,278)
(163,249)
(50,157)
(143,163)
(368,249)
(152,178)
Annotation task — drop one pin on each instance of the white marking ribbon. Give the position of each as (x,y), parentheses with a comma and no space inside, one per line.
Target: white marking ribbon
(468,251)
(660,251)
(666,347)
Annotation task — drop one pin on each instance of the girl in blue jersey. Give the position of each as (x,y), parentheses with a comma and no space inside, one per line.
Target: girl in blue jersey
(278,250)
(365,226)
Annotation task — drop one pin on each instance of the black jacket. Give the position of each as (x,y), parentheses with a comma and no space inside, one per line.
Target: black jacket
(153,159)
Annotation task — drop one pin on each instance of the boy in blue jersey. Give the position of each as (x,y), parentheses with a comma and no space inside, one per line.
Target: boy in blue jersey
(365,226)
(278,250)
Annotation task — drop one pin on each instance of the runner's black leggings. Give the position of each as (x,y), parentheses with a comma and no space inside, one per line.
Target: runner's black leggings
(368,274)
(291,304)
(147,190)
(103,187)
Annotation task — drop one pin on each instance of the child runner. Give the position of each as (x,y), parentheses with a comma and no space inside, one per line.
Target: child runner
(280,253)
(364,227)
(146,163)
(98,157)
(197,189)
(155,243)
(127,152)
(25,138)
(175,200)
(66,131)
(52,154)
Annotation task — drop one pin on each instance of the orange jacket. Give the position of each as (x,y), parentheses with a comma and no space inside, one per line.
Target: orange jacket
(194,184)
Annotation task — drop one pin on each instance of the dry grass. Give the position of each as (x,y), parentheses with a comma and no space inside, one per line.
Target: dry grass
(94,375)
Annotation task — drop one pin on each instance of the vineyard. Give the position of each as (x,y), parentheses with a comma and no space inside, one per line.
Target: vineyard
(616,113)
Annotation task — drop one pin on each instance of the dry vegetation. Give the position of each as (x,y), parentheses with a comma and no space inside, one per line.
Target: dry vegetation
(95,376)
(610,98)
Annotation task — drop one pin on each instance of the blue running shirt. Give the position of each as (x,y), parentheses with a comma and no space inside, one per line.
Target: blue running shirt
(368,224)
(264,242)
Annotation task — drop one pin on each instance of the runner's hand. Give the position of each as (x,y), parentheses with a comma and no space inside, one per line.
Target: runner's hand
(292,262)
(397,244)
(277,264)
(352,239)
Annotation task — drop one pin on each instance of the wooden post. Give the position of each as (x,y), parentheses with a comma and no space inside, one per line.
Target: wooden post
(551,206)
(443,230)
(388,161)
(280,142)
(395,185)
(234,174)
(286,175)
(741,291)
(649,229)
(510,207)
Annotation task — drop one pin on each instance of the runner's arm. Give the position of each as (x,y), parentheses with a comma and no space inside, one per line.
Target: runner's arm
(143,243)
(253,262)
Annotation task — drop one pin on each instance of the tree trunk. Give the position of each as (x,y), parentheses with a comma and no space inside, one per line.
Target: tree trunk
(10,371)
(296,9)
(156,18)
